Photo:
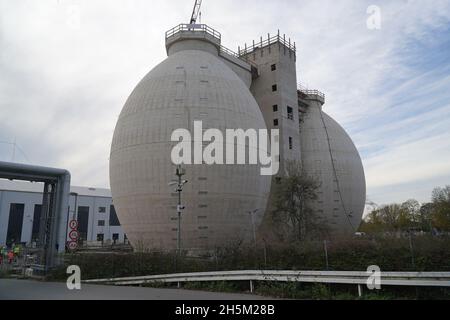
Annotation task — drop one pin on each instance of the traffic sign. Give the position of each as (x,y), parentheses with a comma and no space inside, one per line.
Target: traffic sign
(73,224)
(72,245)
(74,235)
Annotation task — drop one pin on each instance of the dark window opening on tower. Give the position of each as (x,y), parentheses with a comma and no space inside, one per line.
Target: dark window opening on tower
(273,67)
(290,113)
(275,122)
(275,108)
(290,143)
(274,88)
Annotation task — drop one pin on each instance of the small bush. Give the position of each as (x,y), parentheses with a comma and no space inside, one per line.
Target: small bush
(320,292)
(218,286)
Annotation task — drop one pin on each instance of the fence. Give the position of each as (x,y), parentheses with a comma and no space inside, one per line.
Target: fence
(416,279)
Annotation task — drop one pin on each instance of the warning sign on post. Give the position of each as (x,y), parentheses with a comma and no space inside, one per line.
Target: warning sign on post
(73,224)
(72,245)
(73,235)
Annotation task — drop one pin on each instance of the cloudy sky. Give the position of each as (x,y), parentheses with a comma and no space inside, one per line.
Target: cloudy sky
(67,67)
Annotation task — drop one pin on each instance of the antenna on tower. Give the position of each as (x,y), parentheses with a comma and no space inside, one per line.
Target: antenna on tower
(196,11)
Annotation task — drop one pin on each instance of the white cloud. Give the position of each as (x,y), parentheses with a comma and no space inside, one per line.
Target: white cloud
(61,89)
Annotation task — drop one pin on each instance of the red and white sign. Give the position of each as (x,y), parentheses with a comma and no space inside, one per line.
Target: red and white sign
(73,224)
(73,235)
(72,245)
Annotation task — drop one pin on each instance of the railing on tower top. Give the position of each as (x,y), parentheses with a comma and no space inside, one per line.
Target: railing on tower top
(267,42)
(308,92)
(195,28)
(207,30)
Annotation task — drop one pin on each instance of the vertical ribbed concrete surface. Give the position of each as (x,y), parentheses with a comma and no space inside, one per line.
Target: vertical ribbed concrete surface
(340,201)
(189,85)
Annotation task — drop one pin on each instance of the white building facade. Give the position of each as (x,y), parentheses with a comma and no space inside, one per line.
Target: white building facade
(20,209)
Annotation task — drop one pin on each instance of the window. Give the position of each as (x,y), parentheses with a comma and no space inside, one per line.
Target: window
(100,237)
(290,143)
(113,220)
(102,209)
(290,113)
(275,108)
(15,223)
(83,219)
(273,67)
(115,237)
(274,88)
(101,223)
(202,228)
(275,122)
(36,222)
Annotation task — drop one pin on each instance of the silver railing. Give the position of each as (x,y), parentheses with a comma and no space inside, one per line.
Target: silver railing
(419,279)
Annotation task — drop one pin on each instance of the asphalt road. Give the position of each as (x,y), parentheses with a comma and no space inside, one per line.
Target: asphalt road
(14,289)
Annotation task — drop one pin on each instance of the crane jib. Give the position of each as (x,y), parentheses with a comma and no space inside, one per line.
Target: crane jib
(195,11)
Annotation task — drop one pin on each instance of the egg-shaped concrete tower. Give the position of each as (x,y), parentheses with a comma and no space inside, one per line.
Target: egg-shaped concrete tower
(330,157)
(192,84)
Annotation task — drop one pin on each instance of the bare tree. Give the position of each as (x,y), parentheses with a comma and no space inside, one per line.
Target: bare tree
(291,215)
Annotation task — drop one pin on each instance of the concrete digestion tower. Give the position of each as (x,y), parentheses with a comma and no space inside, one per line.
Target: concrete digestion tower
(196,82)
(255,88)
(330,158)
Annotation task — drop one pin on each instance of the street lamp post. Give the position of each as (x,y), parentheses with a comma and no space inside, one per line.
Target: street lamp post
(253,223)
(180,172)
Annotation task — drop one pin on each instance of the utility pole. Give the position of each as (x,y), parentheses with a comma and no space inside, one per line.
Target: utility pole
(325,247)
(180,172)
(253,223)
(411,249)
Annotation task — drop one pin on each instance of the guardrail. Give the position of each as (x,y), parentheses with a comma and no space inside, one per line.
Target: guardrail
(421,279)
(267,42)
(311,92)
(193,28)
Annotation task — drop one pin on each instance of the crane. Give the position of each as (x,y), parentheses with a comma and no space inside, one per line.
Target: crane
(196,11)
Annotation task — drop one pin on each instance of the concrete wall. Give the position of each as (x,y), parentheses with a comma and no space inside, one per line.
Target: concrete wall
(241,68)
(285,77)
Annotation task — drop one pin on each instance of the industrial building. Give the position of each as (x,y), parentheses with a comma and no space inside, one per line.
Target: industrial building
(209,206)
(256,87)
(20,212)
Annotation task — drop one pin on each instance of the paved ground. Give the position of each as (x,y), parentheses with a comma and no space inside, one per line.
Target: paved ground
(13,289)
